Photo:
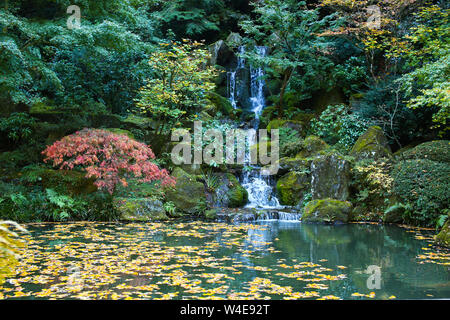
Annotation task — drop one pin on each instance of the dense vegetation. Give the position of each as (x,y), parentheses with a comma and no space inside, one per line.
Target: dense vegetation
(139,68)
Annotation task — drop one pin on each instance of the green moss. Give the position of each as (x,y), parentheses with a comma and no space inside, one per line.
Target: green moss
(294,164)
(327,210)
(312,145)
(221,104)
(69,182)
(443,237)
(372,144)
(140,209)
(121,132)
(292,186)
(188,194)
(237,195)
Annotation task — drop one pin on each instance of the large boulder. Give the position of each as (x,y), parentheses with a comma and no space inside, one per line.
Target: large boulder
(327,210)
(230,193)
(140,209)
(292,186)
(372,144)
(443,237)
(188,195)
(330,177)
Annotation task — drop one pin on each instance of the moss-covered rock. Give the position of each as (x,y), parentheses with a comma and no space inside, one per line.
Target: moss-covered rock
(230,193)
(312,146)
(330,177)
(294,164)
(121,132)
(292,186)
(220,104)
(438,150)
(140,209)
(298,126)
(443,237)
(327,210)
(371,145)
(188,195)
(70,182)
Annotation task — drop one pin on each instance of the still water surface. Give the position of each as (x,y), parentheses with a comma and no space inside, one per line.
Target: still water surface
(205,260)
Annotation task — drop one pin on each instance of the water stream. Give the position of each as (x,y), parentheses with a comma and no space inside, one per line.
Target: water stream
(259,187)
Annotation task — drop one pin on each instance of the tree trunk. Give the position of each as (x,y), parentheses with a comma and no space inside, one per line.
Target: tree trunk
(287,77)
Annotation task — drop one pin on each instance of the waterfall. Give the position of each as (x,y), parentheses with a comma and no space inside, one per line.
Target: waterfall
(233,92)
(259,187)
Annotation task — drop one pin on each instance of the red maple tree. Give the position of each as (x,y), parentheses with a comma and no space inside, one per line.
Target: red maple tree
(108,157)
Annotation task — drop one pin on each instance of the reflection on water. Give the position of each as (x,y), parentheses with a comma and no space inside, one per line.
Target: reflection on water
(193,260)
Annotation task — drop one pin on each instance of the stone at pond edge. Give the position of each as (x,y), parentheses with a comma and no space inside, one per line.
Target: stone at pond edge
(292,186)
(327,210)
(330,177)
(188,195)
(443,237)
(371,145)
(140,209)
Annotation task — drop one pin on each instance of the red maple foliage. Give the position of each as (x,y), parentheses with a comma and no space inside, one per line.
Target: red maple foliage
(108,157)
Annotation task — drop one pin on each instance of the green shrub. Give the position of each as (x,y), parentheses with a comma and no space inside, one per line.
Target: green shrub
(338,127)
(423,184)
(17,127)
(290,142)
(30,204)
(438,150)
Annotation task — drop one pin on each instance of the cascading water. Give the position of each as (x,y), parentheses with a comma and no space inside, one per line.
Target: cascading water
(260,191)
(233,91)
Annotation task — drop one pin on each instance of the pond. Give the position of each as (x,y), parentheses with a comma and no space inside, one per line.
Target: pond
(214,260)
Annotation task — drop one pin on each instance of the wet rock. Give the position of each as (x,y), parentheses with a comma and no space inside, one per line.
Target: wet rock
(188,195)
(140,209)
(327,210)
(330,177)
(220,53)
(372,144)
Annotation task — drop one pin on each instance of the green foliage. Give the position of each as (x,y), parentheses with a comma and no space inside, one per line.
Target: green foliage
(299,56)
(178,90)
(337,126)
(102,63)
(170,208)
(428,52)
(212,181)
(424,185)
(18,126)
(290,142)
(30,204)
